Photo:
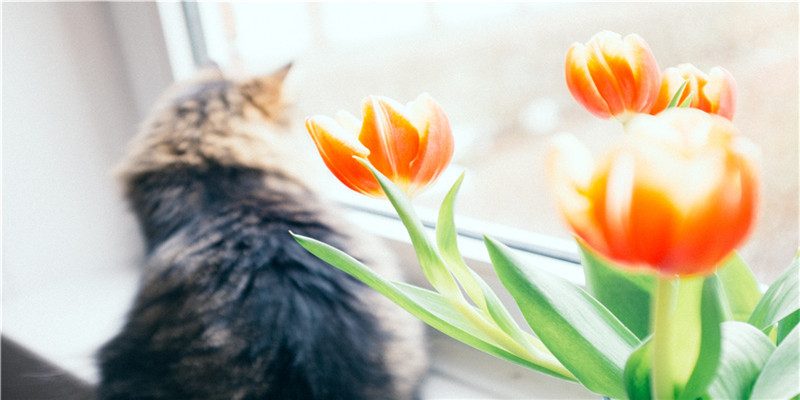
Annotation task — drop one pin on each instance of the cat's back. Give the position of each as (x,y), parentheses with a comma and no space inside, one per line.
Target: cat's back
(230,306)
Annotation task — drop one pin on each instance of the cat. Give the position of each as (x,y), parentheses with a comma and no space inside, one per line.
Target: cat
(230,306)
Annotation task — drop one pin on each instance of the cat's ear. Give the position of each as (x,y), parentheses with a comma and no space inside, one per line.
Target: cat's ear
(270,82)
(264,92)
(281,73)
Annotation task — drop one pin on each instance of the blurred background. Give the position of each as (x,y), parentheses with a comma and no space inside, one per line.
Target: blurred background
(77,78)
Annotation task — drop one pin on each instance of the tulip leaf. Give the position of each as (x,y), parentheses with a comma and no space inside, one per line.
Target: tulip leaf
(780,300)
(637,371)
(580,332)
(780,377)
(687,101)
(739,288)
(445,309)
(446,240)
(430,307)
(745,351)
(477,289)
(626,294)
(429,259)
(786,325)
(677,96)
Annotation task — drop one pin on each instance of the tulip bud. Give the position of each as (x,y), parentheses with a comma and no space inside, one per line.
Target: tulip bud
(411,145)
(613,76)
(714,93)
(677,197)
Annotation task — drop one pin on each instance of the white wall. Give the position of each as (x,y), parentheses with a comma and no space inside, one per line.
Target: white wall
(76,80)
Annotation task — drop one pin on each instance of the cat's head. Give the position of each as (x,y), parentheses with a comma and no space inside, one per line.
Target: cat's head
(212,118)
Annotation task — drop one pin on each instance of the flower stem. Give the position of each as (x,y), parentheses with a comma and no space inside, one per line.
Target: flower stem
(663,307)
(545,360)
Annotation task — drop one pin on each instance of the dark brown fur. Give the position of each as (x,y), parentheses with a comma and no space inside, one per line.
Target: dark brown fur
(230,307)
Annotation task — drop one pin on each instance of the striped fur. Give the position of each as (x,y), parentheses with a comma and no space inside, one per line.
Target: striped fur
(230,307)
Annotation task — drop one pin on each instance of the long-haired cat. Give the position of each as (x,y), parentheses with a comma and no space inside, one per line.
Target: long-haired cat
(230,306)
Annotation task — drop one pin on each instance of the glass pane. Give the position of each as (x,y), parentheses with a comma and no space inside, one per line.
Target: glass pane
(498,71)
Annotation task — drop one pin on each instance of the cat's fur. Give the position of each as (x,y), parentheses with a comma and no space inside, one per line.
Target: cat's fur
(230,306)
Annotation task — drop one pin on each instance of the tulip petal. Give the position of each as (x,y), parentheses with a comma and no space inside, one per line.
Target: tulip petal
(620,59)
(580,83)
(746,155)
(435,141)
(337,148)
(721,222)
(623,197)
(349,123)
(681,207)
(604,73)
(676,176)
(721,93)
(391,138)
(715,189)
(646,73)
(570,168)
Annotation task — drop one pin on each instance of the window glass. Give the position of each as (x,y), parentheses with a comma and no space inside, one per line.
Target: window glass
(498,71)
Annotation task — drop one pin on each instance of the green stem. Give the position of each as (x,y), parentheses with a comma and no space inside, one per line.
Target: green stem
(431,262)
(526,351)
(663,307)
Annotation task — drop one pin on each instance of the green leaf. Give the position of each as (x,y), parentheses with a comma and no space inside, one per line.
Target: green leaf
(677,96)
(587,338)
(429,307)
(786,325)
(710,341)
(780,377)
(637,371)
(739,288)
(446,240)
(781,299)
(626,294)
(745,351)
(429,259)
(453,312)
(687,101)
(477,289)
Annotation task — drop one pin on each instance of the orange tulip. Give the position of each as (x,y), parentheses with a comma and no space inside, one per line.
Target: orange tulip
(411,145)
(713,93)
(613,76)
(677,196)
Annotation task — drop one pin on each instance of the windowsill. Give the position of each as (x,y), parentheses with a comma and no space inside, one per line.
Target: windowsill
(65,321)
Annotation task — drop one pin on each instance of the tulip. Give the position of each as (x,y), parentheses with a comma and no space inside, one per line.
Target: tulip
(613,76)
(411,145)
(713,93)
(676,197)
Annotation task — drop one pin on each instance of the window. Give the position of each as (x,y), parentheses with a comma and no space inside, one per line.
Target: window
(497,69)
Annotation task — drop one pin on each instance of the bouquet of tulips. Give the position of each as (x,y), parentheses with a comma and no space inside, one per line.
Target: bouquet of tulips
(669,309)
